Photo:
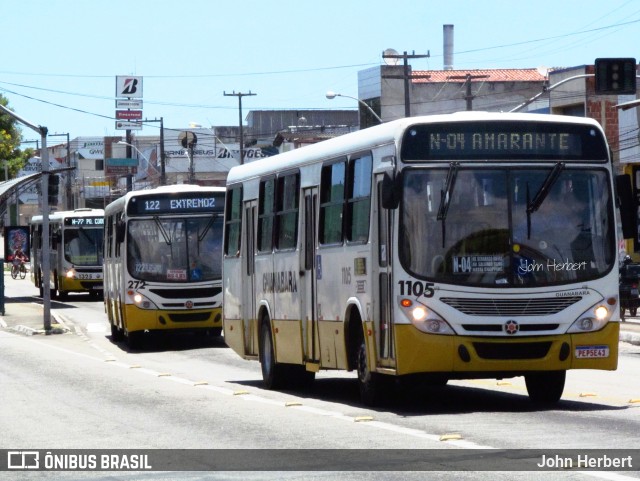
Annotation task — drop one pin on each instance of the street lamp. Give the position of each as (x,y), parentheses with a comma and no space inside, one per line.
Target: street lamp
(332,95)
(628,105)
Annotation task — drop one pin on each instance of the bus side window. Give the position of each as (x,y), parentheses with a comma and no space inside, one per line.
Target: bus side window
(266,214)
(359,199)
(287,211)
(233,222)
(109,232)
(120,227)
(332,194)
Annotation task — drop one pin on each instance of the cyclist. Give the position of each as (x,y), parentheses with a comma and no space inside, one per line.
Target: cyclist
(19,258)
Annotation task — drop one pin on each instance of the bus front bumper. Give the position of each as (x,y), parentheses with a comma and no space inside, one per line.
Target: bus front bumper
(163,320)
(418,352)
(67,284)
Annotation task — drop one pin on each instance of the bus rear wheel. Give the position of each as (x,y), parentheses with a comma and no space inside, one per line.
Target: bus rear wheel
(273,374)
(545,387)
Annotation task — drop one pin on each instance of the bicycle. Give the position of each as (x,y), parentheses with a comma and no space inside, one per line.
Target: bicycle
(18,268)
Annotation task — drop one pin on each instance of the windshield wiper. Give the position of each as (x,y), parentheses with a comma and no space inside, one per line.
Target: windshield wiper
(542,193)
(162,230)
(445,196)
(545,188)
(206,228)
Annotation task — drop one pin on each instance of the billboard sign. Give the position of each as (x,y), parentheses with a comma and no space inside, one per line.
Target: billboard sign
(128,125)
(128,86)
(16,237)
(129,114)
(129,104)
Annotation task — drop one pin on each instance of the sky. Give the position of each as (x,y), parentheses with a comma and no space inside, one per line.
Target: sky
(61,57)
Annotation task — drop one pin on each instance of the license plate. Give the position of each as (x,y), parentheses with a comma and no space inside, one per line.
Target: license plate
(591,352)
(88,277)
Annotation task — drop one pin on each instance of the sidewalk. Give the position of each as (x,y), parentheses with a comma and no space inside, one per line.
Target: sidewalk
(26,314)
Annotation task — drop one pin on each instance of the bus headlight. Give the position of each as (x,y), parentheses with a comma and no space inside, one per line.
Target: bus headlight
(71,274)
(141,301)
(594,319)
(424,318)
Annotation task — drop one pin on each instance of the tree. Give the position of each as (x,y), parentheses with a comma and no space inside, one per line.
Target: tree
(10,138)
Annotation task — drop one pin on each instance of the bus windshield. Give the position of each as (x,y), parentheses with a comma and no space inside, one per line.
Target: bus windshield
(510,226)
(175,249)
(83,247)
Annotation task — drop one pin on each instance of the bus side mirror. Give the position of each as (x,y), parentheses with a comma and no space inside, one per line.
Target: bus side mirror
(627,205)
(120,229)
(55,239)
(390,191)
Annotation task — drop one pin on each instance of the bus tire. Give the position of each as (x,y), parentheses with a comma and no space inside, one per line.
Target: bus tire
(299,377)
(370,384)
(273,374)
(545,387)
(214,332)
(134,339)
(116,333)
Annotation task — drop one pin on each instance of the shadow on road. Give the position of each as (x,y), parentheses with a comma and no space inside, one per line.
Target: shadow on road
(173,341)
(418,400)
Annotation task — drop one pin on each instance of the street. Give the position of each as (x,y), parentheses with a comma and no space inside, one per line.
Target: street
(78,390)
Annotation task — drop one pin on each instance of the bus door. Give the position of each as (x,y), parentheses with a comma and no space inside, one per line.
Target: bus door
(383,280)
(308,281)
(248,307)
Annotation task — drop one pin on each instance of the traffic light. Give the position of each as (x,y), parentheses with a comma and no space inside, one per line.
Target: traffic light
(616,76)
(53,183)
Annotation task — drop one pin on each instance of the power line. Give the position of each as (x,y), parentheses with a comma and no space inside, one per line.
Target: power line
(220,75)
(555,37)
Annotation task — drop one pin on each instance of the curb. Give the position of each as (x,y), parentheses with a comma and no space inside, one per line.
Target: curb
(630,337)
(57,327)
(30,331)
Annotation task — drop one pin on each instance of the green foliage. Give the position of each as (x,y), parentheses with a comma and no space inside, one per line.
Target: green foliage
(10,138)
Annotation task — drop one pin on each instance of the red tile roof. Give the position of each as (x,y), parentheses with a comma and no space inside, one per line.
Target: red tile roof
(488,75)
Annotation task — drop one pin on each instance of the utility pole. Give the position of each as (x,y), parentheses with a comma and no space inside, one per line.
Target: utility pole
(129,155)
(240,95)
(467,80)
(406,76)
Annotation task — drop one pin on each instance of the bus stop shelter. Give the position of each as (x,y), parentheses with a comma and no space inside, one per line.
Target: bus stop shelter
(7,188)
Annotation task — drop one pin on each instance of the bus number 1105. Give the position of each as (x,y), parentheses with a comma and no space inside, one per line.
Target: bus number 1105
(416,288)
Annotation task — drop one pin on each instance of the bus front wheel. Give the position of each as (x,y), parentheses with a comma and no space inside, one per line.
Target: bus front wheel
(134,339)
(116,333)
(545,387)
(372,385)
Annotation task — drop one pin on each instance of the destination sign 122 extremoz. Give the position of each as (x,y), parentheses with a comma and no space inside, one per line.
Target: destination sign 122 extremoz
(162,204)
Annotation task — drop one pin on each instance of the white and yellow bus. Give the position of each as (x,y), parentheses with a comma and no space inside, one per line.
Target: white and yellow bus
(75,251)
(470,245)
(163,261)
